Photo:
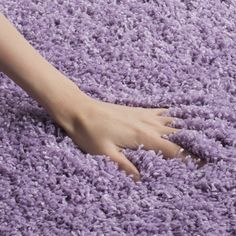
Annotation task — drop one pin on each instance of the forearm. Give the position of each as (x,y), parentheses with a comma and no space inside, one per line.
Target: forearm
(26,67)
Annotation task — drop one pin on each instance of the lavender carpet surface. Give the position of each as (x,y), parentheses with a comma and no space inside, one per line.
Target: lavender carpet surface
(179,54)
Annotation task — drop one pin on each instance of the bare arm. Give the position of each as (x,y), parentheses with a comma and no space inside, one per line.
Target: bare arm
(26,67)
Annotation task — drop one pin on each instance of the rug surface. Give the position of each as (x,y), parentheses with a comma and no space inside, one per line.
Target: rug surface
(179,54)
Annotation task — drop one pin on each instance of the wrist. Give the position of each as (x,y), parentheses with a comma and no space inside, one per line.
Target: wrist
(69,106)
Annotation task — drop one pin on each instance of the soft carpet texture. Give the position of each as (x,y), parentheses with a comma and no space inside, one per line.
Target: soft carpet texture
(179,54)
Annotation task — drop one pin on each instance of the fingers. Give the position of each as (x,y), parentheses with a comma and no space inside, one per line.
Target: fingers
(172,150)
(161,129)
(123,163)
(156,121)
(168,130)
(152,141)
(166,120)
(159,111)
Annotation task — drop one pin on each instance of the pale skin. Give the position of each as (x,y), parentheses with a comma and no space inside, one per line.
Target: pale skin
(97,127)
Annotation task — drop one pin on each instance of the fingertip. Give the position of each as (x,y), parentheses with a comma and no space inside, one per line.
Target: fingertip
(136,177)
(125,165)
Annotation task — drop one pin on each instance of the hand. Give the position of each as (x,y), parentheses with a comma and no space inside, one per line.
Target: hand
(105,128)
(96,127)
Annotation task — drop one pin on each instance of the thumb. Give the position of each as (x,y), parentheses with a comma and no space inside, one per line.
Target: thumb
(123,163)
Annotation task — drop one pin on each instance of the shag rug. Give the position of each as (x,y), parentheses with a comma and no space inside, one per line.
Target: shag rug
(179,54)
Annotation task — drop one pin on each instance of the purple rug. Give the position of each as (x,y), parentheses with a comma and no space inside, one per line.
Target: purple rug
(179,54)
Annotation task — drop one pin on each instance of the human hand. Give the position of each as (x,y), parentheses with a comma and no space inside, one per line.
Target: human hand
(95,126)
(105,128)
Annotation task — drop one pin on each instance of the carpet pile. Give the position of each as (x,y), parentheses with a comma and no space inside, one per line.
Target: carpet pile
(179,54)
